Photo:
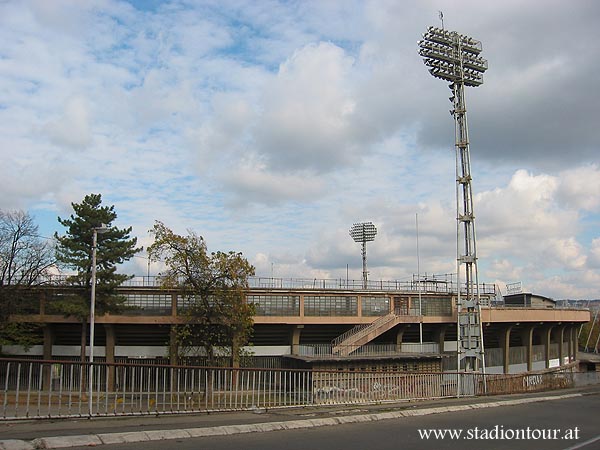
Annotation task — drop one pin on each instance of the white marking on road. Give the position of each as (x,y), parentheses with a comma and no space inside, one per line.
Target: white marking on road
(583,444)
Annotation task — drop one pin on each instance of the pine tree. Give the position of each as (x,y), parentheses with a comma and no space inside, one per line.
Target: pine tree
(74,251)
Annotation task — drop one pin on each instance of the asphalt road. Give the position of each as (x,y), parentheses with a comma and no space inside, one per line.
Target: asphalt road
(568,424)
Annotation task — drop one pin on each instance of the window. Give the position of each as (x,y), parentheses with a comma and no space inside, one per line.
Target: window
(185,302)
(330,305)
(275,305)
(375,306)
(148,304)
(432,306)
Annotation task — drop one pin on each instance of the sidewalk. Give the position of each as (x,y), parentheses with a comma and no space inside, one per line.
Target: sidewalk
(65,433)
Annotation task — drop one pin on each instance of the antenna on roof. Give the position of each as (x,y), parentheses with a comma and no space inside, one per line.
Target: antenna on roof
(442,18)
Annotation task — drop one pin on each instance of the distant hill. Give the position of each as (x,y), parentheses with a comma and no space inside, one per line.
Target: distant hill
(592,304)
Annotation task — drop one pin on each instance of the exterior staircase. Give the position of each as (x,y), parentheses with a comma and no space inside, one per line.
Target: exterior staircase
(362,334)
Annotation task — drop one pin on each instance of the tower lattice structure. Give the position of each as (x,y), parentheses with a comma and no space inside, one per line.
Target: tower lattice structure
(455,58)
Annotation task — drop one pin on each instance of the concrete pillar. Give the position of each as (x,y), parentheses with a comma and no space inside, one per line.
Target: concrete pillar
(575,341)
(561,336)
(547,341)
(504,339)
(439,336)
(399,335)
(48,342)
(110,356)
(173,346)
(527,339)
(569,342)
(571,332)
(301,305)
(296,332)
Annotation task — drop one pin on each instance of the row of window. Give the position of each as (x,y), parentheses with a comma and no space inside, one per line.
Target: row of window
(289,305)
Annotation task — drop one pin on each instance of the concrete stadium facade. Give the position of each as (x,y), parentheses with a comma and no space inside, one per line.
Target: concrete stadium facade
(301,318)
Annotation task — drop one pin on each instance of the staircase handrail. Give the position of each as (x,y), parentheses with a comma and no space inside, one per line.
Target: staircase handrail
(364,329)
(351,332)
(374,325)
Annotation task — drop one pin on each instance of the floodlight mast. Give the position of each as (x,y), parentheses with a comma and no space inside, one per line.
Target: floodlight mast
(363,232)
(455,58)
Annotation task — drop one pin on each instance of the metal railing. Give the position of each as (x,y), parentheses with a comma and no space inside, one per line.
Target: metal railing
(417,347)
(359,331)
(51,389)
(331,350)
(362,329)
(351,332)
(434,284)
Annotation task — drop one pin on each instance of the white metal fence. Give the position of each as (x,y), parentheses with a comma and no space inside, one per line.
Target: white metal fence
(38,389)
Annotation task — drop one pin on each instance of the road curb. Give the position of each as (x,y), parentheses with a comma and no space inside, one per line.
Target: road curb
(159,435)
(15,444)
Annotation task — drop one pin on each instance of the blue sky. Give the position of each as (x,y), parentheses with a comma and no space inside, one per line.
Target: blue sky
(271,127)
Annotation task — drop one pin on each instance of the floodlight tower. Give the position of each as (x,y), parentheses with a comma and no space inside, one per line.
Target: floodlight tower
(454,57)
(363,232)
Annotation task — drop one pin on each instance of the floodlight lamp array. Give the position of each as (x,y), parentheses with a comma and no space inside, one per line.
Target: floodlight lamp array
(453,57)
(363,232)
(452,38)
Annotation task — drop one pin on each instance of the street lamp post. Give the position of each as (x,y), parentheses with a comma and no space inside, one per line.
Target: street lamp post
(100,229)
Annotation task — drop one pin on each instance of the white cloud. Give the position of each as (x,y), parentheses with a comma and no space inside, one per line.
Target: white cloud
(272,127)
(73,128)
(526,209)
(504,272)
(251,183)
(580,188)
(307,109)
(594,257)
(564,253)
(226,131)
